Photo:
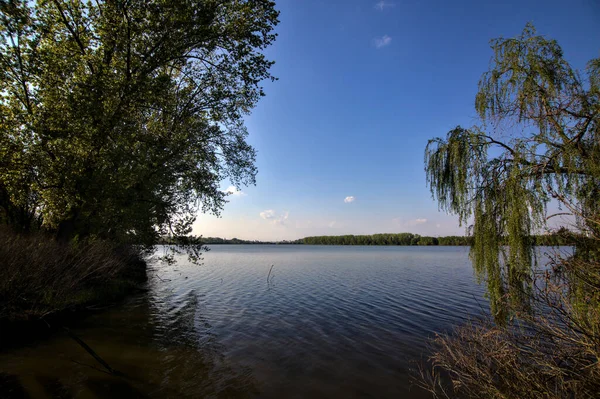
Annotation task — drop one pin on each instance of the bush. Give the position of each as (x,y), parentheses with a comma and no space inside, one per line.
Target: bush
(40,276)
(548,350)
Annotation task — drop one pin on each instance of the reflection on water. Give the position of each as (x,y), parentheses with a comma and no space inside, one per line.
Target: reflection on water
(161,354)
(328,322)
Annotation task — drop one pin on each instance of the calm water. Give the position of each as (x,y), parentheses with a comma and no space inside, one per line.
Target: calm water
(348,322)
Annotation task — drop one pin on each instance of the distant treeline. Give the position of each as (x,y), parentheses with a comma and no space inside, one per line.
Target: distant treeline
(219,240)
(415,239)
(387,239)
(381,239)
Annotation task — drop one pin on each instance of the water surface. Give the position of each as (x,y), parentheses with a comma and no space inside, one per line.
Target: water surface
(328,321)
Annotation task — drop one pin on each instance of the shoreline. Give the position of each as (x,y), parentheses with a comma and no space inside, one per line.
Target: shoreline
(38,313)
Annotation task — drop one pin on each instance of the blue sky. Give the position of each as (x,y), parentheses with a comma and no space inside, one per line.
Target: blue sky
(362,86)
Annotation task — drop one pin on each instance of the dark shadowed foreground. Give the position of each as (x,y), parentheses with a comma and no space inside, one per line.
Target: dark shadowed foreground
(326,322)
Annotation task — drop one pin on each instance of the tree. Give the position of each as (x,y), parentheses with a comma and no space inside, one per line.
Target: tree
(428,241)
(119,118)
(538,141)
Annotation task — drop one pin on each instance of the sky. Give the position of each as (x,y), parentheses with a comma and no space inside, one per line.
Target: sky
(362,86)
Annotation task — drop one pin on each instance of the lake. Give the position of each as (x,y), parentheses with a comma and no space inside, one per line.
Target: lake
(267,321)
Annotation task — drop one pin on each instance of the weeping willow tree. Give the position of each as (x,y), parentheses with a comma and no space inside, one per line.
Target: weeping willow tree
(537,146)
(539,139)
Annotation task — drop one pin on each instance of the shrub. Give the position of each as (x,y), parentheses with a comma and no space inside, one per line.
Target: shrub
(548,350)
(40,276)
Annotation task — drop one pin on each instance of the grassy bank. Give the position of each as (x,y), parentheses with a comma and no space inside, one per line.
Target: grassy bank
(42,279)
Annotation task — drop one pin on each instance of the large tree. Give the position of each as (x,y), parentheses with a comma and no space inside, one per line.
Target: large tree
(538,140)
(119,118)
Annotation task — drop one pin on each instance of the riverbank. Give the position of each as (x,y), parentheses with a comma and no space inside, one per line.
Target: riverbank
(44,283)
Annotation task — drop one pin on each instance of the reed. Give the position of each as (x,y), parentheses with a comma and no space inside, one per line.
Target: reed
(551,349)
(40,276)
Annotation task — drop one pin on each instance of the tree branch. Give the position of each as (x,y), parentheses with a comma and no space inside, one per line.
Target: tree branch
(73,33)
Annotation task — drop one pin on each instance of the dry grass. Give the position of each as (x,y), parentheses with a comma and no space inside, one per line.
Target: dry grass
(40,276)
(550,350)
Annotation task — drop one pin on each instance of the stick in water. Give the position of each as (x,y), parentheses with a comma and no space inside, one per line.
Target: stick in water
(91,352)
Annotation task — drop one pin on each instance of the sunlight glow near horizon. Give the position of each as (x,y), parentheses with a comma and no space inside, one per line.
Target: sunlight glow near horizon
(362,86)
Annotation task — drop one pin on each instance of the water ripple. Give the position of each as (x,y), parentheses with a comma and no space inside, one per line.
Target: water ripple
(328,316)
(330,322)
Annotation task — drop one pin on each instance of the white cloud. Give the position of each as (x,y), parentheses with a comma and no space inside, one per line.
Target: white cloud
(349,199)
(383,41)
(410,223)
(332,224)
(268,214)
(274,217)
(282,218)
(382,5)
(232,190)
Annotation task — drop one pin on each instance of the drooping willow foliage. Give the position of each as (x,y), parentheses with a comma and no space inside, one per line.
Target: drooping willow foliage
(539,139)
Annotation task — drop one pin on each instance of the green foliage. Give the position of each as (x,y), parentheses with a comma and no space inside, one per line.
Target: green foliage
(385,239)
(428,241)
(539,139)
(454,240)
(118,119)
